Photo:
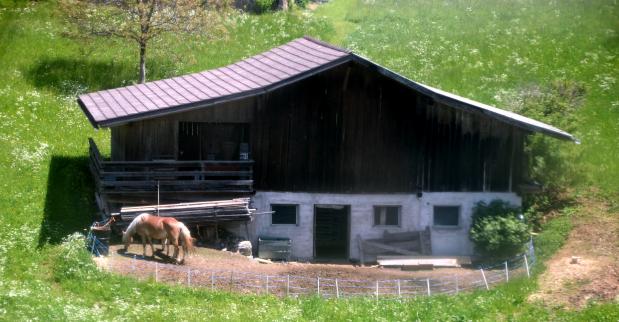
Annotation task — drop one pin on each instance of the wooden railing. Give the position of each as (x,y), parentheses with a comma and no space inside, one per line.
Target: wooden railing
(170,175)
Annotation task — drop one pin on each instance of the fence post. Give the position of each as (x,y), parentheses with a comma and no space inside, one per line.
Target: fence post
(267,285)
(133,265)
(428,285)
(506,272)
(231,280)
(484,276)
(376,290)
(526,265)
(399,289)
(189,277)
(287,285)
(212,281)
(337,289)
(318,285)
(156,271)
(457,285)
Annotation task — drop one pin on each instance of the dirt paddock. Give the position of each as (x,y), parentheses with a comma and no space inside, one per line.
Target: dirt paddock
(208,259)
(231,271)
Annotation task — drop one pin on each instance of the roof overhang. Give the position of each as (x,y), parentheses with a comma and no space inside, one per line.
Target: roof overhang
(341,56)
(469,105)
(206,103)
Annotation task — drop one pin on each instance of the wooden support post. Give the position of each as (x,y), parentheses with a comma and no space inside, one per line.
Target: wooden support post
(428,285)
(526,265)
(506,272)
(287,285)
(484,277)
(158,198)
(376,290)
(399,289)
(337,289)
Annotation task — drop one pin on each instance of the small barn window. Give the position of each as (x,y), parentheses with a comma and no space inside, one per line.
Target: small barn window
(387,215)
(447,216)
(284,214)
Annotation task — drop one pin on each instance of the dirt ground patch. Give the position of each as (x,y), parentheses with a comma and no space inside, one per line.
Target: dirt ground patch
(595,240)
(210,259)
(231,271)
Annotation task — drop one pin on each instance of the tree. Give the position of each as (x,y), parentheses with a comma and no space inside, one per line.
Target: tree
(143,20)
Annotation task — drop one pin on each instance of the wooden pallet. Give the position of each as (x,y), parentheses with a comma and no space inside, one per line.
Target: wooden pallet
(411,243)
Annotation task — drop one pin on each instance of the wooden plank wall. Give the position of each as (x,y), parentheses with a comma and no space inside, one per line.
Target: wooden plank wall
(349,130)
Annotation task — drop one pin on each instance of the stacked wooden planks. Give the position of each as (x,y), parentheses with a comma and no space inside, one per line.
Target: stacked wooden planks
(419,262)
(195,212)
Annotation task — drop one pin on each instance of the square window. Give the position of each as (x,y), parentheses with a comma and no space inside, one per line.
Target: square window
(387,215)
(284,214)
(447,216)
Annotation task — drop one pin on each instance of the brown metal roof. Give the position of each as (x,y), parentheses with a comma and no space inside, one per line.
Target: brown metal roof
(297,59)
(259,74)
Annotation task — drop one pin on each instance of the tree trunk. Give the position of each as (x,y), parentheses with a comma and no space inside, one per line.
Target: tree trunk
(142,63)
(283,5)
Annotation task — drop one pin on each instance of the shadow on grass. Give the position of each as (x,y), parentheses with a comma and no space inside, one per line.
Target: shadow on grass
(69,203)
(70,76)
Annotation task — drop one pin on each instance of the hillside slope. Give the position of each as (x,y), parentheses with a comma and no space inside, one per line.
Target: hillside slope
(595,276)
(481,49)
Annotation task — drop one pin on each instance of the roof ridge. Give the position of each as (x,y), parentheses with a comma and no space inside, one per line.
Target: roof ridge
(325,44)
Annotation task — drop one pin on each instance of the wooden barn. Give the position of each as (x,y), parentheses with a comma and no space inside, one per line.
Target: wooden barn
(335,152)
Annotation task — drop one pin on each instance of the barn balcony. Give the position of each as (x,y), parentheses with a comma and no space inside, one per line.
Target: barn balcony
(144,182)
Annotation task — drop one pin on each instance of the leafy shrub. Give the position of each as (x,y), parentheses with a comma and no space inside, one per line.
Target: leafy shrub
(264,5)
(73,261)
(551,162)
(497,230)
(302,3)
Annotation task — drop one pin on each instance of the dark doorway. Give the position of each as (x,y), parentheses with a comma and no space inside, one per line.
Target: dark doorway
(211,141)
(331,231)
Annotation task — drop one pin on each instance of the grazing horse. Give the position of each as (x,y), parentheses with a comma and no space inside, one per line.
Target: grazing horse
(151,227)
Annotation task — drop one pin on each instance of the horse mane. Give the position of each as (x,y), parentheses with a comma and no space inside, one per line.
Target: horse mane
(133,225)
(186,236)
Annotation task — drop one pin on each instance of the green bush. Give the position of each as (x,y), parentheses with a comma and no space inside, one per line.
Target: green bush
(497,230)
(551,162)
(301,3)
(265,5)
(72,260)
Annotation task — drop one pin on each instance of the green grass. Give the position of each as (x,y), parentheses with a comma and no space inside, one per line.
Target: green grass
(47,192)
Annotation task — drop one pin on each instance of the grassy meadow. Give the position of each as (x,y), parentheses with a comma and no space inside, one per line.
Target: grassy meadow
(486,50)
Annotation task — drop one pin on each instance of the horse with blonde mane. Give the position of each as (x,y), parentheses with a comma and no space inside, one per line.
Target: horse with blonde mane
(151,227)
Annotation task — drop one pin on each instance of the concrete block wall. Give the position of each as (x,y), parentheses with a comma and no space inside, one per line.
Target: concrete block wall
(416,214)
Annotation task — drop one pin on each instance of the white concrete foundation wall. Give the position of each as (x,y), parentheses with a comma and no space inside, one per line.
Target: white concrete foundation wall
(416,214)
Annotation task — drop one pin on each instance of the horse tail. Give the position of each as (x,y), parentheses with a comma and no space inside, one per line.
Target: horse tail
(186,237)
(132,227)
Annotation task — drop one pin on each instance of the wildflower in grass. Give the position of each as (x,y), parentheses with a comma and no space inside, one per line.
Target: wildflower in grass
(605,81)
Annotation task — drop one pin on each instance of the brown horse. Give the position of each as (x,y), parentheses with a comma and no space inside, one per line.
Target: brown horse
(154,227)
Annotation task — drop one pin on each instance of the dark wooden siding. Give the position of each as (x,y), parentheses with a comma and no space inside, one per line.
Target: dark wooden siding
(351,130)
